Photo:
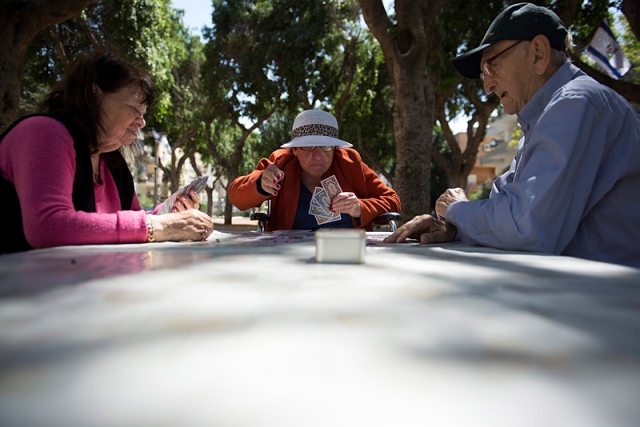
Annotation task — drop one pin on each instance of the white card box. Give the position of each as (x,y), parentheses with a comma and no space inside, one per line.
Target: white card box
(338,245)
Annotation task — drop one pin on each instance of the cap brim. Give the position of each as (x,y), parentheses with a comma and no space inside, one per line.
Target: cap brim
(316,140)
(468,64)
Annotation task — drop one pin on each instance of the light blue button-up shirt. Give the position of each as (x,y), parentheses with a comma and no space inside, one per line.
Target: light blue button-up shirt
(574,185)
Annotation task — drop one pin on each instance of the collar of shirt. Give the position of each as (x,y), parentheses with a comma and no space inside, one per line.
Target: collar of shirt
(530,114)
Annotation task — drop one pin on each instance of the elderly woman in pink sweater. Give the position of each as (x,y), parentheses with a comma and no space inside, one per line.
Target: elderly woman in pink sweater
(63,177)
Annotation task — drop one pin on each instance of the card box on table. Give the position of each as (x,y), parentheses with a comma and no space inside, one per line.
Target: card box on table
(340,245)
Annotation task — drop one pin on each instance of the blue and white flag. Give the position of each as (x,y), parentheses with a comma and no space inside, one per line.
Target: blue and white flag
(161,139)
(605,50)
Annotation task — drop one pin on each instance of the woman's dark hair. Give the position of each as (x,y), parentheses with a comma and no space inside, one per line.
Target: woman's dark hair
(75,96)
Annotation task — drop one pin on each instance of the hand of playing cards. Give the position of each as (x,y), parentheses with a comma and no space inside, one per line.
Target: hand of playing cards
(321,200)
(197,185)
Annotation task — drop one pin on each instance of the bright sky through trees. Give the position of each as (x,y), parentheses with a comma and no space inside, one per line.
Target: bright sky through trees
(197,14)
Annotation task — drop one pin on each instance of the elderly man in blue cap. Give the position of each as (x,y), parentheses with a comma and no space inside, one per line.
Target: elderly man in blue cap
(572,188)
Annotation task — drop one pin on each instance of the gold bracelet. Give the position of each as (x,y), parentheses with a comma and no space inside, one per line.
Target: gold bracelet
(151,230)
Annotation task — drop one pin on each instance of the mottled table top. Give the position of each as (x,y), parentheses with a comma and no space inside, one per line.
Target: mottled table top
(248,330)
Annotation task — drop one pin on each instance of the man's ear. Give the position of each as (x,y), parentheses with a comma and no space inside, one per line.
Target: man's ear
(541,54)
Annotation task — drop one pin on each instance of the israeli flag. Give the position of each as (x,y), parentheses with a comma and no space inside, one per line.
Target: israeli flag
(605,50)
(161,139)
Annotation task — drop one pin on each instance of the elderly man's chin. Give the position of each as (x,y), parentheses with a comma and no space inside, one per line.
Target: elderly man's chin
(508,108)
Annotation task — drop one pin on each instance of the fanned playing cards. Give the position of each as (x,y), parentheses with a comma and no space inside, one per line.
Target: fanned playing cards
(321,200)
(197,185)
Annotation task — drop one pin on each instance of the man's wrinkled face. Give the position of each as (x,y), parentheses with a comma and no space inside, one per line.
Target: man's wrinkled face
(508,61)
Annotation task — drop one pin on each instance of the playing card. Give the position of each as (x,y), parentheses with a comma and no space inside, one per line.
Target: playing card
(197,185)
(331,186)
(324,220)
(320,198)
(319,210)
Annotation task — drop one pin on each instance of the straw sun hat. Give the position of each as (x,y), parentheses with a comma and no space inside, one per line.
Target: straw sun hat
(315,128)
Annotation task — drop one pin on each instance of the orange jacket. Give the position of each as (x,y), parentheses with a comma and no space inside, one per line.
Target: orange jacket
(352,174)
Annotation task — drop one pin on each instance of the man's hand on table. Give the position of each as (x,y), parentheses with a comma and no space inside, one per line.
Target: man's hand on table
(424,228)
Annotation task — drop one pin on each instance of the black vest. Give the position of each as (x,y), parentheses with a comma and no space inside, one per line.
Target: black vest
(13,239)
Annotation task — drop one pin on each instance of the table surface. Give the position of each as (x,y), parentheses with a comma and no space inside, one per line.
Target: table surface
(248,330)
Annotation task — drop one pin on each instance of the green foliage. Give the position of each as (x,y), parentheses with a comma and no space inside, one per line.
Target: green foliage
(631,47)
(260,52)
(146,202)
(273,133)
(265,61)
(587,19)
(515,136)
(483,192)
(149,32)
(268,60)
(367,116)
(457,33)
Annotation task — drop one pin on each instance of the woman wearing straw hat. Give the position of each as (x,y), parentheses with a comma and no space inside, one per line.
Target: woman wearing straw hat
(291,177)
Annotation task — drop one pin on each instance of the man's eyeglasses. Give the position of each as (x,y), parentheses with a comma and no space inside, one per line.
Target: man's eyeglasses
(322,147)
(487,68)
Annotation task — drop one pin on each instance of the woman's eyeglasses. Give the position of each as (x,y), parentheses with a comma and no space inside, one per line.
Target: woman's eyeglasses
(322,147)
(487,68)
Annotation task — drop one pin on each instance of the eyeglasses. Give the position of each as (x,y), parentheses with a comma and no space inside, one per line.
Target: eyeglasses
(487,68)
(325,148)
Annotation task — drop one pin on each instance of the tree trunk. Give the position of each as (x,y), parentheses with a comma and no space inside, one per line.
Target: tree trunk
(405,47)
(209,191)
(228,210)
(20,22)
(413,120)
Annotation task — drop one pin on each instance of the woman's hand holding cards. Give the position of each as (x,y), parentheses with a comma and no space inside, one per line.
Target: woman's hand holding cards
(182,203)
(346,203)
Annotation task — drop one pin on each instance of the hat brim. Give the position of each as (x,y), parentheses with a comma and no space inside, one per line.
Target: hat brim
(468,64)
(316,140)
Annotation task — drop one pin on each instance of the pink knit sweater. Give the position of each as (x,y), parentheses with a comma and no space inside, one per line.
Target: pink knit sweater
(38,157)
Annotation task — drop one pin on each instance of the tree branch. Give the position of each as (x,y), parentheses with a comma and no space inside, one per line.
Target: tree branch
(382,29)
(567,12)
(627,90)
(62,53)
(371,158)
(194,164)
(630,9)
(351,64)
(378,21)
(88,31)
(446,129)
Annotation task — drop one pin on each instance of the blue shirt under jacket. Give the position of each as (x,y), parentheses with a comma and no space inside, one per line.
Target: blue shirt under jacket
(574,185)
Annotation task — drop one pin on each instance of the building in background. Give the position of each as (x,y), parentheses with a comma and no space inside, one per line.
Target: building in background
(494,152)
